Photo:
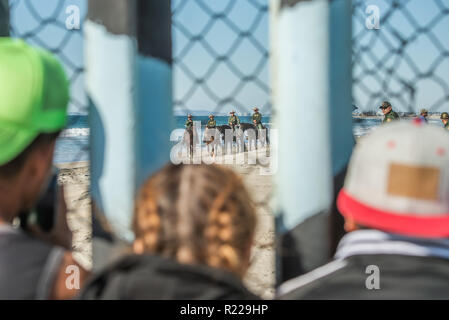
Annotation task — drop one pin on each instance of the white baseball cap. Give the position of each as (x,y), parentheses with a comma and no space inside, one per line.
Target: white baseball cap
(398,180)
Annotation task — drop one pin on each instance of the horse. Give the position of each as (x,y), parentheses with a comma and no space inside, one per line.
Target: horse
(209,138)
(246,126)
(222,129)
(236,135)
(189,139)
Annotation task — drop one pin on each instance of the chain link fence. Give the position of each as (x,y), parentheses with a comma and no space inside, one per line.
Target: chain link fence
(46,27)
(406,60)
(221,55)
(220,58)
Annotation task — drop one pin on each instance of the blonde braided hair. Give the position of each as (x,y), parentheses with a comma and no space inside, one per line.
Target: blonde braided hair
(196,214)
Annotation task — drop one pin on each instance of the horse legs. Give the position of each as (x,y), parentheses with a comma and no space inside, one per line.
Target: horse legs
(266,140)
(191,145)
(212,141)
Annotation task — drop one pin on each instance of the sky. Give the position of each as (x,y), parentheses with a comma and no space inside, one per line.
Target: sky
(246,55)
(26,21)
(240,80)
(413,79)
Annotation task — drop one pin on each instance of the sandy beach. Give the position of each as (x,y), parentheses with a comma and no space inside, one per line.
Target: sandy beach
(260,278)
(75,178)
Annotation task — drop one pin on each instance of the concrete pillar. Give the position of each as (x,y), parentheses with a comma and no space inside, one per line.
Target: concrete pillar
(128,81)
(311,44)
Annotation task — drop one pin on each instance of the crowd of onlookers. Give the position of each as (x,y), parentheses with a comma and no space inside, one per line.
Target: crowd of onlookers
(194,225)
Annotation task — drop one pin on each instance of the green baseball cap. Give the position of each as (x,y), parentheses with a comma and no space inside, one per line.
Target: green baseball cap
(34,94)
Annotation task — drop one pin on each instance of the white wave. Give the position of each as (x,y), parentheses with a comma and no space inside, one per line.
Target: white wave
(75,132)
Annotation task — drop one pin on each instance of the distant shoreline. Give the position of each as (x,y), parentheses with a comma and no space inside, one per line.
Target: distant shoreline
(72,165)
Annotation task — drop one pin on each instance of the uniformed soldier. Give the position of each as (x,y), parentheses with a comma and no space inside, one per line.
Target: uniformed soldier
(211,123)
(257,118)
(445,119)
(189,122)
(233,120)
(209,134)
(423,115)
(389,114)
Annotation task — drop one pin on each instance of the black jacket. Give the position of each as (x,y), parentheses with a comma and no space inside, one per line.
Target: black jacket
(146,277)
(407,269)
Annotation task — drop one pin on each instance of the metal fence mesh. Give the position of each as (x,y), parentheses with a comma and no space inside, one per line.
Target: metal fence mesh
(48,29)
(405,61)
(220,55)
(221,63)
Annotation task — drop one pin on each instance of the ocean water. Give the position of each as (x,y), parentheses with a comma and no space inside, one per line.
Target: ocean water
(362,127)
(73,144)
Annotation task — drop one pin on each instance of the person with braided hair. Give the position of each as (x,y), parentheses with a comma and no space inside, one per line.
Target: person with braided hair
(194,227)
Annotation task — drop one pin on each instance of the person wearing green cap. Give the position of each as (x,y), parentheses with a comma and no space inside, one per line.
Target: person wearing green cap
(445,119)
(33,110)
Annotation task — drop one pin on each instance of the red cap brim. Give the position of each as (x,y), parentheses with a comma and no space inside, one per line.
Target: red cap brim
(404,223)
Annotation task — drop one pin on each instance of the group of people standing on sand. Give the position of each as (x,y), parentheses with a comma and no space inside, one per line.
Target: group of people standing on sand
(390,115)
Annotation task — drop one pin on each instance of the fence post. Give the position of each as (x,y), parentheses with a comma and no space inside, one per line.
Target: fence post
(312,49)
(154,116)
(128,81)
(340,104)
(4,18)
